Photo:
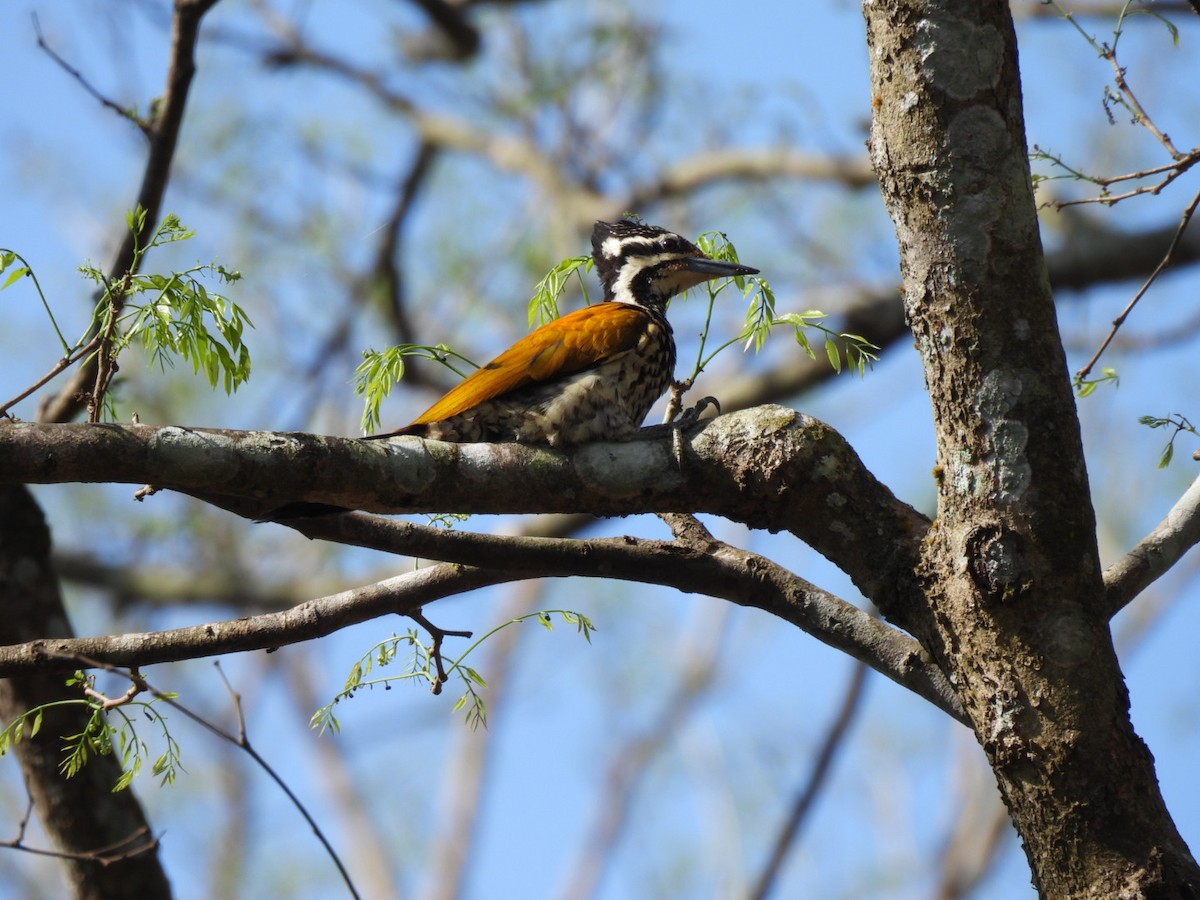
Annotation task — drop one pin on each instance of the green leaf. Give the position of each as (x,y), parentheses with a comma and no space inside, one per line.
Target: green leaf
(543,305)
(18,273)
(124,780)
(380,371)
(1171,27)
(835,358)
(1167,455)
(473,676)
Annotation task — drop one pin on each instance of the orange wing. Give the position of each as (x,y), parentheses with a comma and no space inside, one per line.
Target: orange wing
(575,342)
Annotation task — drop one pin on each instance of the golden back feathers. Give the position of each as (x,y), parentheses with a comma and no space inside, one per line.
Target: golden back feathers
(572,343)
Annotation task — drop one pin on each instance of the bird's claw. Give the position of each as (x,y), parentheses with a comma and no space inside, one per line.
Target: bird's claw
(686,419)
(691,415)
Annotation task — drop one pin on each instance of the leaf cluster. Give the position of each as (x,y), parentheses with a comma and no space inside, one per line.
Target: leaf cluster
(174,315)
(170,315)
(852,351)
(421,666)
(381,370)
(110,729)
(1179,423)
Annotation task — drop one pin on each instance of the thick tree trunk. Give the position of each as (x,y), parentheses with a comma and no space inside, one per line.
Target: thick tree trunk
(1010,575)
(112,854)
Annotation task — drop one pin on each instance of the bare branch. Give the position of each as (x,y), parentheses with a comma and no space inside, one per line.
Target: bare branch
(124,112)
(65,363)
(817,780)
(716,569)
(1184,221)
(438,635)
(768,467)
(309,620)
(1134,105)
(1156,553)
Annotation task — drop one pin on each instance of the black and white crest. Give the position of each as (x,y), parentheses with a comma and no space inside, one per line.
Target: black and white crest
(625,250)
(646,265)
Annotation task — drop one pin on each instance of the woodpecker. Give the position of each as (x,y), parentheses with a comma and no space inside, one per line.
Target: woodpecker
(590,375)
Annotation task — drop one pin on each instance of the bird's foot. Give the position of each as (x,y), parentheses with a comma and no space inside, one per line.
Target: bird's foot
(676,427)
(691,415)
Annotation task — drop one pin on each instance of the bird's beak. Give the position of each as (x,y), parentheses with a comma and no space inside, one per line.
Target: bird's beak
(715,268)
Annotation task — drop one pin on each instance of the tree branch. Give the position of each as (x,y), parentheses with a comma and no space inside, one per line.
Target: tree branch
(185,29)
(1154,554)
(768,467)
(715,569)
(269,631)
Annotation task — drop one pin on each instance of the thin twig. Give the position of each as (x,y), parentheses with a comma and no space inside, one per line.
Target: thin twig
(144,126)
(105,856)
(106,364)
(65,363)
(817,780)
(1135,106)
(1156,553)
(1184,221)
(437,635)
(107,703)
(240,740)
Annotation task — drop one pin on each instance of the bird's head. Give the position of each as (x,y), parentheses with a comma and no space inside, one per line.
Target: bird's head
(646,265)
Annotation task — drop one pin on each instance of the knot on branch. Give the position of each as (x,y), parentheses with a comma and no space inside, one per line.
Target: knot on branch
(997,563)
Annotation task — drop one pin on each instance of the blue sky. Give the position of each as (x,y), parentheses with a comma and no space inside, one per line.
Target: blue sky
(68,170)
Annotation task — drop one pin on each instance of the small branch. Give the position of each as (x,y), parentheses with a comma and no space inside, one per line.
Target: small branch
(1106,199)
(138,842)
(65,363)
(268,631)
(181,69)
(106,364)
(1135,106)
(1156,553)
(145,127)
(438,635)
(105,856)
(241,740)
(1174,169)
(817,780)
(1184,221)
(136,686)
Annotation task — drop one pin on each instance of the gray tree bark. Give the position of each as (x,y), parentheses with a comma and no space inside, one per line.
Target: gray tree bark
(1006,591)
